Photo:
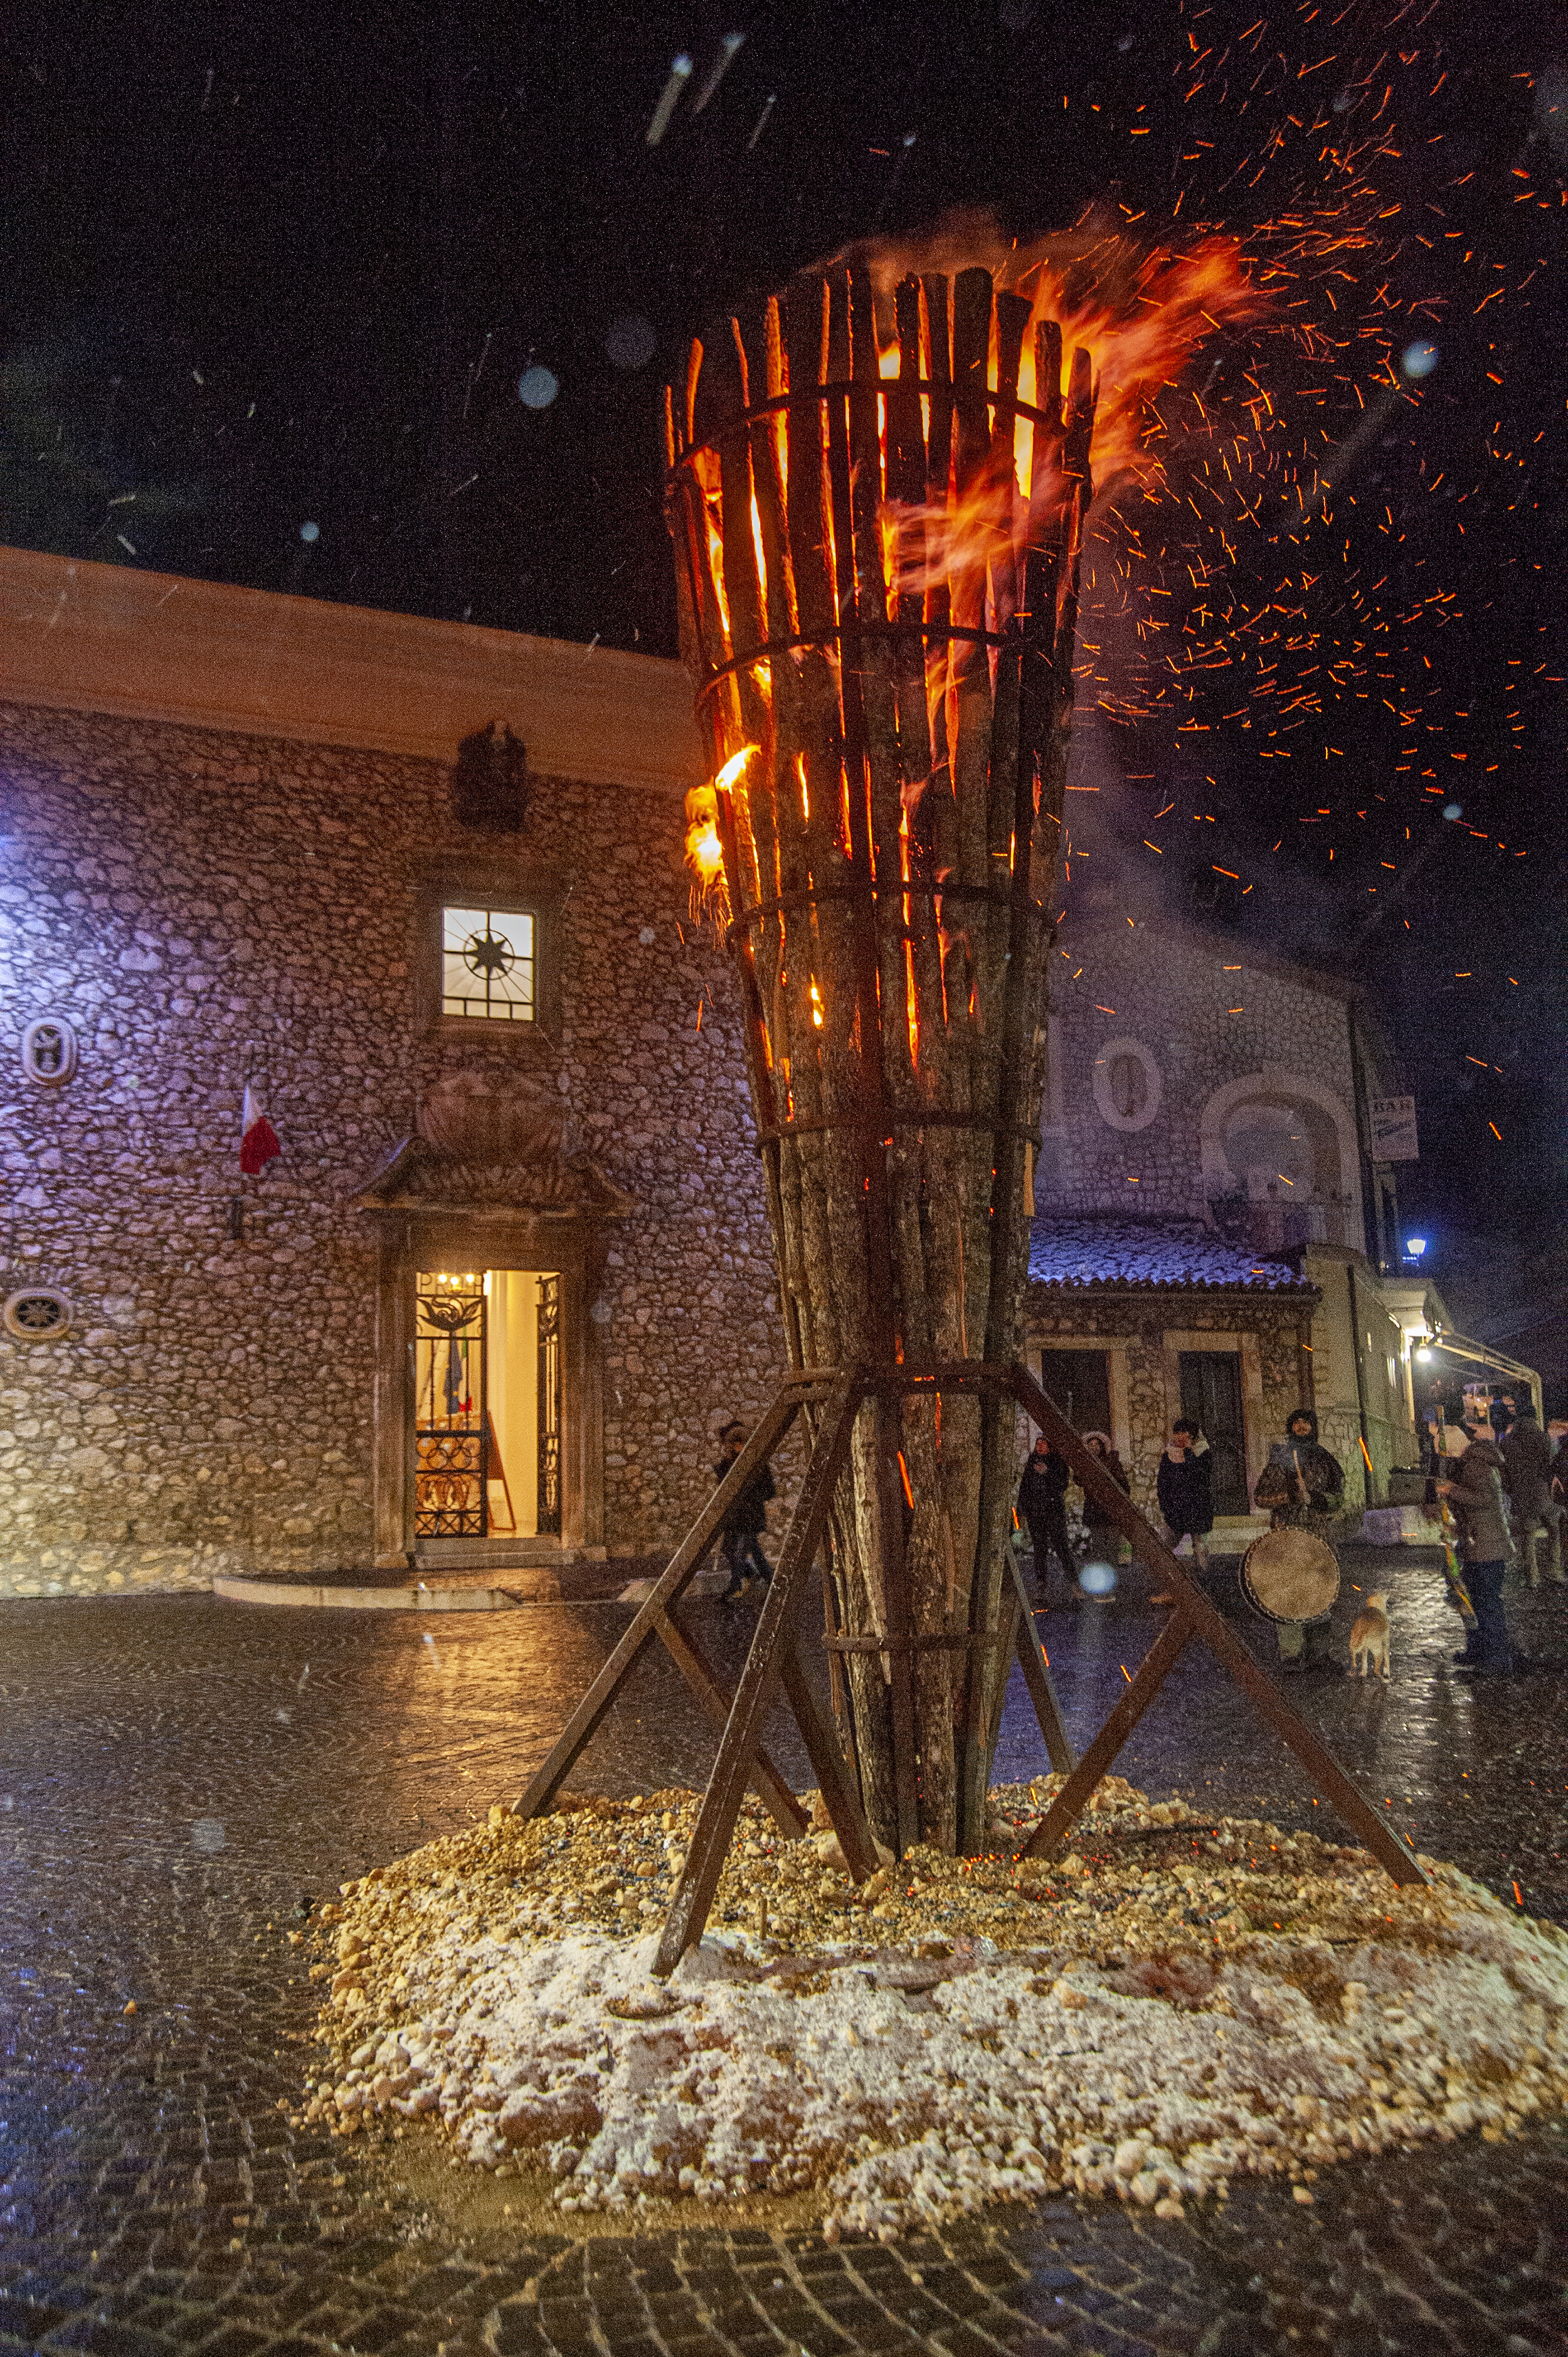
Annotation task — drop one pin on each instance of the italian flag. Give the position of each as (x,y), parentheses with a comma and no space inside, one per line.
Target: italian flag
(258,1138)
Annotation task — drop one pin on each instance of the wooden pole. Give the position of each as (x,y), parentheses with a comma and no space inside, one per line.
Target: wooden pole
(1037,1672)
(721,1804)
(651,1619)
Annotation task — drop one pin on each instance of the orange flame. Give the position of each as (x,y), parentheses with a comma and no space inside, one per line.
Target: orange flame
(1140,333)
(704,845)
(1140,315)
(704,852)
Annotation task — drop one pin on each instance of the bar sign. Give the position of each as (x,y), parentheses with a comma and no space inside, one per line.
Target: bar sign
(1393,1130)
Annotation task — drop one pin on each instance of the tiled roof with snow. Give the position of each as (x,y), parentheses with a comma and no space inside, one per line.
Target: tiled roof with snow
(1074,1250)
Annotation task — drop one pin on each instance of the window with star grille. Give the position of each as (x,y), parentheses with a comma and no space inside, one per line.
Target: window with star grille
(487,964)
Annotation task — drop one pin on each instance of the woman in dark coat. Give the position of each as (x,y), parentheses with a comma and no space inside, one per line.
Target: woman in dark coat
(1042,1504)
(1185,1487)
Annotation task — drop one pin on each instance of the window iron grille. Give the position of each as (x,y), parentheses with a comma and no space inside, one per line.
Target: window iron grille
(487,964)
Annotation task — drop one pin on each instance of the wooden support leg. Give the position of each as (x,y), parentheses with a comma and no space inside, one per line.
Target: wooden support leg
(833,1778)
(838,1686)
(778,1798)
(899,1621)
(1037,1679)
(688,1915)
(681,1568)
(1203,1620)
(1055,1825)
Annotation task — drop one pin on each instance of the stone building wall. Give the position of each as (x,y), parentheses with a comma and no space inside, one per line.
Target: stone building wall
(201,905)
(1207,1014)
(1378,1394)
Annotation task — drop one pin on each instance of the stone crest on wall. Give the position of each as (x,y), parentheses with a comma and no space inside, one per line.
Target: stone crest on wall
(503,1142)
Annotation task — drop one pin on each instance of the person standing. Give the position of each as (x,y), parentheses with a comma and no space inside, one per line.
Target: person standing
(1105,1541)
(1042,1506)
(1475,1494)
(1527,1455)
(1184,1486)
(740,1532)
(1557,1487)
(1302,1487)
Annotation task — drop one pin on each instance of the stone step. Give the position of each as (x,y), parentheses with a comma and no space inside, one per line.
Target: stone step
(309,1594)
(1234,1533)
(501,1554)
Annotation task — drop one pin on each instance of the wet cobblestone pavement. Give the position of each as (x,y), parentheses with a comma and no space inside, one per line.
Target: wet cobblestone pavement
(177,1776)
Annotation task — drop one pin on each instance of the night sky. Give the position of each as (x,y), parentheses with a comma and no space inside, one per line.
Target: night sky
(275,276)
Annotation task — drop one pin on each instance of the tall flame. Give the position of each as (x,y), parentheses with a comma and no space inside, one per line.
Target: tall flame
(1140,314)
(704,844)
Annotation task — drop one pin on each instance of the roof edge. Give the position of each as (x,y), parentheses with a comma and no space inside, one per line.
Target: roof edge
(79,636)
(1109,1290)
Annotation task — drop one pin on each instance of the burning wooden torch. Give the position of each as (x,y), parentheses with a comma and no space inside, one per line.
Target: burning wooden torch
(877,500)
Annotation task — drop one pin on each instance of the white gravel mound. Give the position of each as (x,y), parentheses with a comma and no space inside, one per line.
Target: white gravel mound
(905,2087)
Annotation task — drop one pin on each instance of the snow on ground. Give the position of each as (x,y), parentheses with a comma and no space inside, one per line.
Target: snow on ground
(1246,2003)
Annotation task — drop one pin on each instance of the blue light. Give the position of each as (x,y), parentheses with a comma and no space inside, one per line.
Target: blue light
(1419,360)
(537,387)
(1097,1579)
(1415,1246)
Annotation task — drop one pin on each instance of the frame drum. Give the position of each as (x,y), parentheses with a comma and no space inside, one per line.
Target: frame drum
(1289,1575)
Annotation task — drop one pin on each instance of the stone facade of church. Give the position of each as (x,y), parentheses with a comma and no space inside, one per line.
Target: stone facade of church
(1186,1067)
(1202,1094)
(206,904)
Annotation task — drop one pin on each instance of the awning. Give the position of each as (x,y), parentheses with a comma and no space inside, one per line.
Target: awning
(1484,1355)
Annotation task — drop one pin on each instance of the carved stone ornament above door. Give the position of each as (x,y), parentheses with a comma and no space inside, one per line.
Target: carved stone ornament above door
(498,1142)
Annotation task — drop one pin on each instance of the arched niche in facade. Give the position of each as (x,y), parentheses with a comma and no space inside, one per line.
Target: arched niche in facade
(1275,1135)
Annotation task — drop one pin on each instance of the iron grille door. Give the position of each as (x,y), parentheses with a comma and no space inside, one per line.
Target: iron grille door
(451,1432)
(550,1407)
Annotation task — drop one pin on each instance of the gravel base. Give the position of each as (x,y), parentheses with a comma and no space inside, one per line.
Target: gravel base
(1174,2004)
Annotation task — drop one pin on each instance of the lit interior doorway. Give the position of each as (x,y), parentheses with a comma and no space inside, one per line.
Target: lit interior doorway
(488,1404)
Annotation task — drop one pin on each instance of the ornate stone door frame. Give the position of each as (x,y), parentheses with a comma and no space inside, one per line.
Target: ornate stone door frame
(433,1237)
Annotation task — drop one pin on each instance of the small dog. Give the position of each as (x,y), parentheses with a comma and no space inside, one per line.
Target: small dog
(1370,1636)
